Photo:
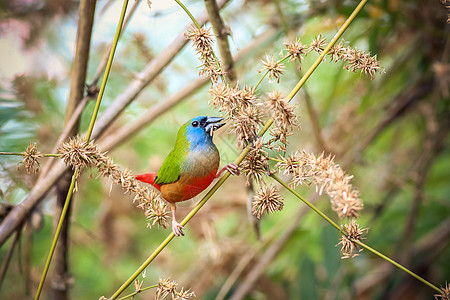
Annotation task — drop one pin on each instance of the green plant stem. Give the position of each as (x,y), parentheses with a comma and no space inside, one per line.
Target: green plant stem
(88,136)
(139,291)
(22,154)
(240,158)
(313,207)
(396,264)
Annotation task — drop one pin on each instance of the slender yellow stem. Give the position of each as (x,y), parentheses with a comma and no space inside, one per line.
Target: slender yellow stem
(88,136)
(137,292)
(397,265)
(238,160)
(58,231)
(353,240)
(22,154)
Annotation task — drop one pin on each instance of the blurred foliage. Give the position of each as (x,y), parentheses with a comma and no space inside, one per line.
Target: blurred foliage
(406,163)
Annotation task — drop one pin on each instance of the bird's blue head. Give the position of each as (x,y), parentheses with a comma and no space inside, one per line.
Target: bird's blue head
(198,131)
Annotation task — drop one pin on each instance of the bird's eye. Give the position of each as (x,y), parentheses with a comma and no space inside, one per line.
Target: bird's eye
(195,123)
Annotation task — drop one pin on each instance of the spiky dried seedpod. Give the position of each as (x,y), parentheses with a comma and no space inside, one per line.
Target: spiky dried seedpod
(296,50)
(318,44)
(337,52)
(202,40)
(78,153)
(349,247)
(445,293)
(255,163)
(184,294)
(274,68)
(245,124)
(360,60)
(166,287)
(31,158)
(328,177)
(156,212)
(267,199)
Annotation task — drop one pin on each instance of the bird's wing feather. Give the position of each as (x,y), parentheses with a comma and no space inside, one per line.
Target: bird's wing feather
(170,170)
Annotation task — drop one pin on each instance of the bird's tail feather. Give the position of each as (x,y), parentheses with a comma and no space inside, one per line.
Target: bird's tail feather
(148,178)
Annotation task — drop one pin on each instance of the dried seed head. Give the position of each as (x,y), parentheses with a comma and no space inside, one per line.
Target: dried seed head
(184,294)
(282,113)
(328,177)
(337,52)
(274,68)
(317,44)
(296,50)
(349,248)
(445,293)
(360,60)
(31,158)
(78,152)
(156,212)
(245,124)
(202,40)
(166,287)
(255,163)
(266,199)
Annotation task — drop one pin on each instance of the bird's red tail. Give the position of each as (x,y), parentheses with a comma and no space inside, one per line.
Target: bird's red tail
(148,178)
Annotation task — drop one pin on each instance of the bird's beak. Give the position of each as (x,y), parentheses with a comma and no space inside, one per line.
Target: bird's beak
(212,124)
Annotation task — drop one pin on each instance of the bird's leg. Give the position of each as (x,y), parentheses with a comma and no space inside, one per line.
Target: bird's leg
(232,168)
(176,227)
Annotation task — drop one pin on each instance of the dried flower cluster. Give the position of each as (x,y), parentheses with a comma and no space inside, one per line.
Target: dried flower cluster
(202,40)
(168,287)
(445,293)
(31,158)
(328,177)
(241,108)
(255,164)
(267,199)
(446,3)
(78,153)
(356,60)
(284,117)
(274,68)
(349,248)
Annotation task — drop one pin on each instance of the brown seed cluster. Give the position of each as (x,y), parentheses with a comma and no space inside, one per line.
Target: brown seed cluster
(445,293)
(274,68)
(356,60)
(78,153)
(349,248)
(328,177)
(267,199)
(255,164)
(284,117)
(202,40)
(168,287)
(31,158)
(241,107)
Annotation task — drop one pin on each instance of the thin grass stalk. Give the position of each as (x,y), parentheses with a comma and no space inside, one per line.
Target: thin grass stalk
(318,211)
(88,135)
(139,291)
(241,156)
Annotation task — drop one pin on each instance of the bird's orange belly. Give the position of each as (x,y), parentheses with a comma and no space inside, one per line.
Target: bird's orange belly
(186,187)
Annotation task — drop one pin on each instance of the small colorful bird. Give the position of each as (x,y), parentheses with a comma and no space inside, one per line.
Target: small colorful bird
(191,166)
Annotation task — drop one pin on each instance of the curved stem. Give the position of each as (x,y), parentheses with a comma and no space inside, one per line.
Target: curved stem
(354,240)
(139,291)
(89,132)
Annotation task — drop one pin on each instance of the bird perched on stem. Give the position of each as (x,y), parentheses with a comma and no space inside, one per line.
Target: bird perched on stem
(191,166)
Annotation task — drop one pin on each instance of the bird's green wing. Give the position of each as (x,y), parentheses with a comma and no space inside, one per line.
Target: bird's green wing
(170,170)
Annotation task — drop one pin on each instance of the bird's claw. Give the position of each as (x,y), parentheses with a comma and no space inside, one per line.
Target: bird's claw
(177,228)
(233,169)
